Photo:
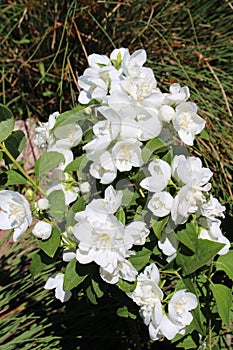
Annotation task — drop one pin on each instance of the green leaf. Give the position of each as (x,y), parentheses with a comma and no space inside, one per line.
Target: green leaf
(129,197)
(187,343)
(205,251)
(225,263)
(91,295)
(47,162)
(50,245)
(126,286)
(14,178)
(223,298)
(15,144)
(57,206)
(158,226)
(79,205)
(124,312)
(96,288)
(151,146)
(141,258)
(168,157)
(73,277)
(79,113)
(39,263)
(6,122)
(121,216)
(77,164)
(189,237)
(140,213)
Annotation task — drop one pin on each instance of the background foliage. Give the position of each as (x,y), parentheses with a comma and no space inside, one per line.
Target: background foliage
(44,48)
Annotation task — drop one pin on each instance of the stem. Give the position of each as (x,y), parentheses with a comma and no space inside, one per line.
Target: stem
(20,168)
(208,321)
(71,244)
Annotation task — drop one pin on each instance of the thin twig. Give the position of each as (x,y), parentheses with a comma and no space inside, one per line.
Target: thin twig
(80,39)
(73,75)
(202,58)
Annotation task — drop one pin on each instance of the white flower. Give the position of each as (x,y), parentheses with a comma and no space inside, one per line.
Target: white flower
(211,230)
(136,233)
(177,94)
(131,63)
(105,206)
(147,291)
(104,168)
(161,203)
(96,80)
(67,135)
(102,240)
(187,201)
(42,230)
(179,307)
(105,240)
(140,85)
(150,272)
(123,269)
(189,171)
(187,122)
(174,323)
(161,326)
(160,175)
(169,243)
(56,282)
(213,208)
(43,131)
(15,213)
(127,154)
(99,241)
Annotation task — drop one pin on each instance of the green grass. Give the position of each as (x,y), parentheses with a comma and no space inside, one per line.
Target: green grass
(44,46)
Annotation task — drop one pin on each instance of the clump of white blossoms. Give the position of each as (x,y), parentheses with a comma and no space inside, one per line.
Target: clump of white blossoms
(120,192)
(149,297)
(102,238)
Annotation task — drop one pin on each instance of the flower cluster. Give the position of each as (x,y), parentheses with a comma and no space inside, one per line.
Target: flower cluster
(148,296)
(134,110)
(102,238)
(119,190)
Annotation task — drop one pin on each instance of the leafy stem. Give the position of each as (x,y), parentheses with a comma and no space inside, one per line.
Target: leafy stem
(21,169)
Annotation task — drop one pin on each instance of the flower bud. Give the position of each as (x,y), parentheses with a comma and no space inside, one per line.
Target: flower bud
(42,230)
